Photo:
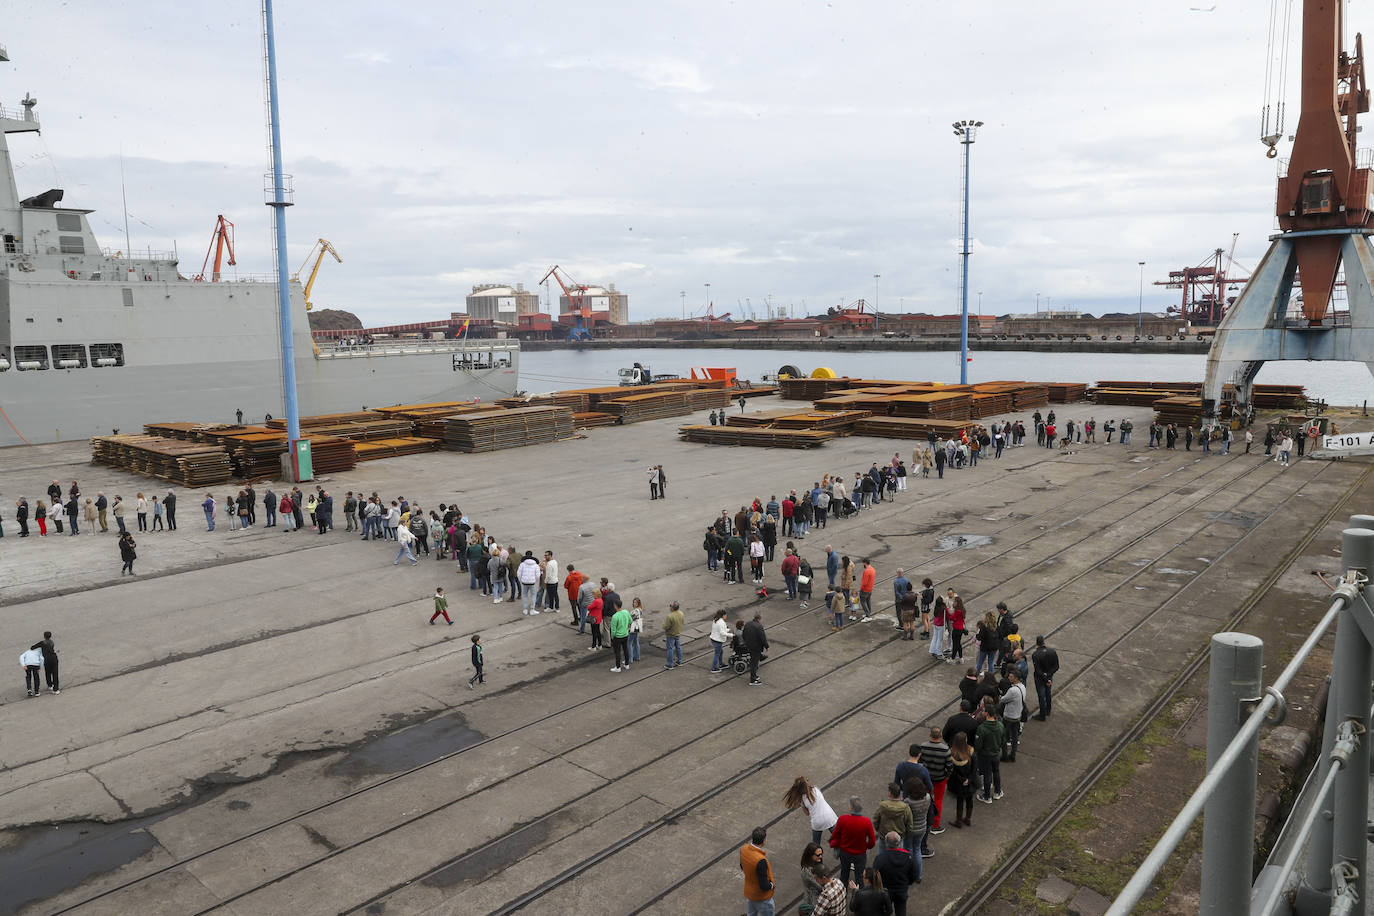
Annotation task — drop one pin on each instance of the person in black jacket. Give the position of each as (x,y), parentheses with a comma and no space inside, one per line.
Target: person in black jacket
(21,515)
(127,553)
(49,661)
(898,870)
(871,899)
(756,641)
(169,507)
(1046,662)
(961,721)
(712,544)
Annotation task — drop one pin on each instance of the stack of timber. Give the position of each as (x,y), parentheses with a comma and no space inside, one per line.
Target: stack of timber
(907,428)
(360,430)
(1282,397)
(873,403)
(757,436)
(810,389)
(576,401)
(487,431)
(329,454)
(1067,392)
(707,398)
(941,405)
(1180,409)
(635,408)
(592,419)
(391,448)
(1029,395)
(437,409)
(990,404)
(190,464)
(1135,397)
(838,421)
(764,418)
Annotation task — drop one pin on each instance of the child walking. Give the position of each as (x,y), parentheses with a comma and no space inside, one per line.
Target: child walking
(440,607)
(478,677)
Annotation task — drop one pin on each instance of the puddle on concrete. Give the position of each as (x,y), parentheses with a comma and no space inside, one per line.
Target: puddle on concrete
(491,858)
(962,541)
(407,748)
(45,861)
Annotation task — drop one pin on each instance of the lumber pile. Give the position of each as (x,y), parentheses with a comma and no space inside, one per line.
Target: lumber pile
(1067,392)
(707,398)
(756,436)
(487,431)
(190,464)
(1180,409)
(953,405)
(636,408)
(839,421)
(990,404)
(329,454)
(390,448)
(907,427)
(371,427)
(764,418)
(810,389)
(1135,397)
(1281,397)
(592,419)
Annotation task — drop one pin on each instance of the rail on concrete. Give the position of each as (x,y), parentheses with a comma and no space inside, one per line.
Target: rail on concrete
(1329,840)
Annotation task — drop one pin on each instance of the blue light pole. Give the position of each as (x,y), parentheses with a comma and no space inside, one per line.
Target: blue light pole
(299,452)
(967,132)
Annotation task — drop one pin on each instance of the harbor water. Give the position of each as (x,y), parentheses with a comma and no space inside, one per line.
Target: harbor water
(1347,384)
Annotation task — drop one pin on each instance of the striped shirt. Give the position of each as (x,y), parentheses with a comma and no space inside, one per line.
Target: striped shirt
(935,756)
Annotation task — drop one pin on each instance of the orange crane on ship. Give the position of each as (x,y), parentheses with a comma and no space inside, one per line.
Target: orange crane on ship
(221,241)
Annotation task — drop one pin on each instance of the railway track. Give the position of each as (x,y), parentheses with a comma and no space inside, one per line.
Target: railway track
(1188,483)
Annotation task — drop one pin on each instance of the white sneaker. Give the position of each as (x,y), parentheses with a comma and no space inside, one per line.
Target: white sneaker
(997,794)
(616,670)
(524,612)
(496,601)
(533,612)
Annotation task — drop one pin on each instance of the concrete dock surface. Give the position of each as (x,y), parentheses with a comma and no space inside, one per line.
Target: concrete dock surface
(264,722)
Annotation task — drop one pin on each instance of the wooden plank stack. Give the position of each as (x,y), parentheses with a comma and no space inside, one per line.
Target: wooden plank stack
(756,436)
(907,427)
(953,405)
(592,419)
(487,431)
(390,448)
(635,408)
(1067,392)
(190,464)
(374,426)
(707,398)
(1281,397)
(810,389)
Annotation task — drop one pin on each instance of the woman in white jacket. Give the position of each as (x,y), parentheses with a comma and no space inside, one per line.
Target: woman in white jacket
(720,635)
(803,795)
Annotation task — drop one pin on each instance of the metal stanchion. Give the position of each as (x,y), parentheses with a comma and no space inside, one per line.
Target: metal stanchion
(1237,670)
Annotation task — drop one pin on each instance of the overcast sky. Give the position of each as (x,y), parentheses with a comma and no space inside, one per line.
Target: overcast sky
(783,149)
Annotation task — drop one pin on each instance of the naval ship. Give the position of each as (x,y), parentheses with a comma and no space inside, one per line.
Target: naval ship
(93,340)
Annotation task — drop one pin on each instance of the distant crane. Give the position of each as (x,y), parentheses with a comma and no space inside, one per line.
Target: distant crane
(1206,287)
(323,247)
(577,303)
(221,241)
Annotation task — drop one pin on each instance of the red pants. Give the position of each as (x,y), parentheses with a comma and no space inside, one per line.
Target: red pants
(939,798)
(42,526)
(437,614)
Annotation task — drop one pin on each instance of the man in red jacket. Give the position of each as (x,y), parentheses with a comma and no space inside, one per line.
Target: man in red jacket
(853,837)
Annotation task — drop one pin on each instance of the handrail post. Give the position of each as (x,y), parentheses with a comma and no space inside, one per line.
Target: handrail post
(1237,671)
(1351,677)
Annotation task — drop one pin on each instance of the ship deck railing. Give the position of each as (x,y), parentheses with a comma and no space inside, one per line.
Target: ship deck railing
(331,349)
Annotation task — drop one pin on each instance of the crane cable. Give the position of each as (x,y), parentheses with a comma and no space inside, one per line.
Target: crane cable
(1275,84)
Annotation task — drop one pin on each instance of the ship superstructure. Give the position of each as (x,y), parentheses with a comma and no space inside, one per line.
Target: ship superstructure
(94,339)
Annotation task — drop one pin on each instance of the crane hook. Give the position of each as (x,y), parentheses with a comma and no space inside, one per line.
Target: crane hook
(1271,153)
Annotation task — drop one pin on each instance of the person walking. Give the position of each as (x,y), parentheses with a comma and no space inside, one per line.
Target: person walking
(141,509)
(208,506)
(49,652)
(31,660)
(802,794)
(756,641)
(1046,663)
(477,676)
(852,838)
(758,872)
(672,637)
(620,638)
(157,514)
(440,608)
(404,538)
(127,552)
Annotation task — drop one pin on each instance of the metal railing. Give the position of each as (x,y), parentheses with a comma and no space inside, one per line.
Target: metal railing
(1237,709)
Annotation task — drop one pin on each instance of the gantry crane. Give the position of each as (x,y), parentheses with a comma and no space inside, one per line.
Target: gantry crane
(221,240)
(577,304)
(323,247)
(1206,288)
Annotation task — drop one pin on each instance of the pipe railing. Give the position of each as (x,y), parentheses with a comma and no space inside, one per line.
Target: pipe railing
(1269,707)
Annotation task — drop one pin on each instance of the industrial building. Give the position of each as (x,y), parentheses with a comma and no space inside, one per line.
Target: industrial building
(495,302)
(598,300)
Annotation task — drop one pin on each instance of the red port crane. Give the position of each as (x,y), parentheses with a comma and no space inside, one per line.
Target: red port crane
(221,241)
(1206,288)
(577,302)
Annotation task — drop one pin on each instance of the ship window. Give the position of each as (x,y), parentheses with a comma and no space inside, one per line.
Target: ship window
(11,244)
(128,297)
(69,356)
(71,244)
(30,357)
(107,354)
(68,222)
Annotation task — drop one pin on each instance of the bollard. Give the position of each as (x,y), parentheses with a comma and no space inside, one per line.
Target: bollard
(1237,668)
